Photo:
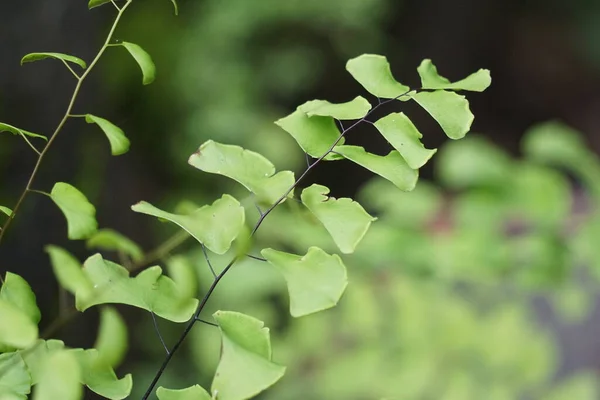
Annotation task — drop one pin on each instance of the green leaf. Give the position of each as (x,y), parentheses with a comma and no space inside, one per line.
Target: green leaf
(60,378)
(110,240)
(345,220)
(6,210)
(144,61)
(430,79)
(19,132)
(15,382)
(392,167)
(96,3)
(315,281)
(373,72)
(58,56)
(149,290)
(17,291)
(111,342)
(175,6)
(354,109)
(215,226)
(250,169)
(100,377)
(449,109)
(68,270)
(36,356)
(79,212)
(245,368)
(315,135)
(401,133)
(195,392)
(119,144)
(17,330)
(184,275)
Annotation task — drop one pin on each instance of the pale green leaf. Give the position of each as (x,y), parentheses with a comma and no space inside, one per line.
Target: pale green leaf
(119,144)
(68,270)
(184,275)
(110,240)
(36,356)
(19,132)
(392,167)
(100,377)
(15,381)
(245,368)
(354,109)
(345,220)
(315,281)
(59,378)
(195,392)
(96,3)
(250,169)
(401,133)
(430,79)
(315,135)
(449,109)
(58,56)
(17,291)
(111,342)
(373,72)
(582,386)
(79,212)
(16,330)
(149,290)
(215,226)
(144,61)
(6,210)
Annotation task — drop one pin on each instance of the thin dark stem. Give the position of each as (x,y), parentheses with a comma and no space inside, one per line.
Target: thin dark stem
(208,261)
(156,328)
(255,257)
(206,322)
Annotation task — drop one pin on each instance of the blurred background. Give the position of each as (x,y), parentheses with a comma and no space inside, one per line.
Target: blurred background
(482,284)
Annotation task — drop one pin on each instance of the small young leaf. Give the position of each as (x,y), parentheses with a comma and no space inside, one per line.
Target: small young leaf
(19,132)
(315,281)
(215,226)
(250,169)
(430,79)
(449,109)
(6,211)
(59,378)
(401,133)
(144,61)
(354,109)
(96,3)
(15,381)
(111,342)
(68,270)
(17,291)
(149,290)
(110,240)
(195,392)
(345,220)
(17,329)
(373,72)
(79,212)
(315,135)
(245,368)
(58,56)
(119,144)
(392,167)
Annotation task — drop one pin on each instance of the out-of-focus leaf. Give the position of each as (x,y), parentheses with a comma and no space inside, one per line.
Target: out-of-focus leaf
(315,135)
(345,220)
(68,270)
(449,109)
(245,368)
(373,72)
(15,381)
(149,290)
(17,291)
(555,143)
(215,226)
(144,61)
(184,276)
(19,132)
(354,109)
(119,144)
(58,56)
(392,167)
(195,392)
(111,342)
(96,3)
(79,212)
(582,386)
(401,133)
(6,211)
(315,281)
(175,7)
(59,378)
(16,330)
(430,79)
(110,240)
(250,169)
(37,355)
